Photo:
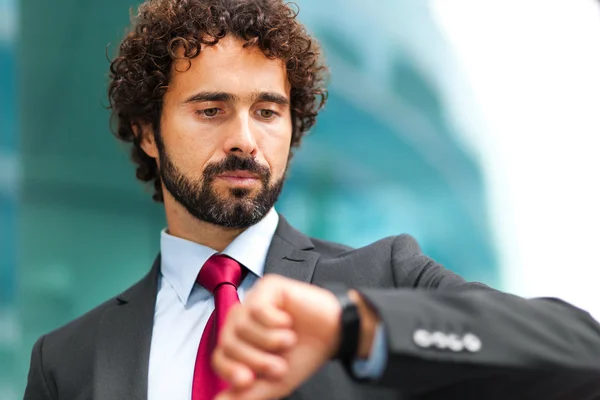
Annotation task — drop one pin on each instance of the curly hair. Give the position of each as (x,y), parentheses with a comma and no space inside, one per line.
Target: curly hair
(139,75)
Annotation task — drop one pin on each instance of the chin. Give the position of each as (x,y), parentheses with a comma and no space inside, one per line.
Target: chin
(241,193)
(228,190)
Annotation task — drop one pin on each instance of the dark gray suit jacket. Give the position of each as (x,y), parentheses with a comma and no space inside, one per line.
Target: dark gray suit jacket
(530,349)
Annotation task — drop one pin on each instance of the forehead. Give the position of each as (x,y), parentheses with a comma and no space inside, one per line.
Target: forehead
(229,67)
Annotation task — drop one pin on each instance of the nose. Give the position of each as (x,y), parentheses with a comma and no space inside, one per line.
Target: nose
(241,138)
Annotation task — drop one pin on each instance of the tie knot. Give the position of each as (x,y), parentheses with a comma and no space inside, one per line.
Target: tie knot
(218,270)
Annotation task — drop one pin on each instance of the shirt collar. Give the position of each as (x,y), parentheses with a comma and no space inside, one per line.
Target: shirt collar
(181,259)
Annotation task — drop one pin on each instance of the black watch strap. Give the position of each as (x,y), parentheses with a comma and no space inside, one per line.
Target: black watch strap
(350,324)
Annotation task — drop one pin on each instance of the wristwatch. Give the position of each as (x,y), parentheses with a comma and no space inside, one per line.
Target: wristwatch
(349,323)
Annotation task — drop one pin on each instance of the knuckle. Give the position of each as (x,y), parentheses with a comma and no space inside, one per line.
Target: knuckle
(230,351)
(262,363)
(226,340)
(217,361)
(255,310)
(273,341)
(225,333)
(240,330)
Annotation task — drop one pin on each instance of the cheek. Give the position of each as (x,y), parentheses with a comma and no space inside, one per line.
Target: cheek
(277,155)
(188,150)
(190,161)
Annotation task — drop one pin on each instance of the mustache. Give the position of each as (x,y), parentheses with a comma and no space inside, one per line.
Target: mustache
(236,163)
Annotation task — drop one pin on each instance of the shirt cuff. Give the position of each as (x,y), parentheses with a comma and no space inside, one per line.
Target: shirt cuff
(374,366)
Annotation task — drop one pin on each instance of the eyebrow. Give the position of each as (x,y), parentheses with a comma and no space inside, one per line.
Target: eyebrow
(210,96)
(269,97)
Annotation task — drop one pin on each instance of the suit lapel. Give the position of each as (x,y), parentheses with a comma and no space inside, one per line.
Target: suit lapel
(125,333)
(123,346)
(291,253)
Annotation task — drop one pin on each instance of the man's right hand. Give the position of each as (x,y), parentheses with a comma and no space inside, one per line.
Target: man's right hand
(282,334)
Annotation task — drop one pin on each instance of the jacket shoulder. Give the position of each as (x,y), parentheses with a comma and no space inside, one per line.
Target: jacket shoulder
(77,330)
(397,247)
(329,249)
(87,324)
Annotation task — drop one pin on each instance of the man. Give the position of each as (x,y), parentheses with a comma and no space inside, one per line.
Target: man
(213,95)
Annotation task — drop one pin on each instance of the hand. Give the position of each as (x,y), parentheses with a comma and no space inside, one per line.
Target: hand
(282,334)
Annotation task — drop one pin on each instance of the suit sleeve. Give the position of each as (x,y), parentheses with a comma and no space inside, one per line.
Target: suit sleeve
(37,385)
(451,339)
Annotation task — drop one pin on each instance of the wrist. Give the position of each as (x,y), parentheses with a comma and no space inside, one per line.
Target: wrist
(368,324)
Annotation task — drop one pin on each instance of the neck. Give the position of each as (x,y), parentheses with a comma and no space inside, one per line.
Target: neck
(183,225)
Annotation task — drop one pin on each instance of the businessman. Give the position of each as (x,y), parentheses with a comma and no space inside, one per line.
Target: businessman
(212,96)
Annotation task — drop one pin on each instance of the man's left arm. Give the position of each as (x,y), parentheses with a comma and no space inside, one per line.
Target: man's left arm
(446,331)
(480,340)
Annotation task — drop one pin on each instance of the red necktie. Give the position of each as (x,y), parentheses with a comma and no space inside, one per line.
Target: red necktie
(221,276)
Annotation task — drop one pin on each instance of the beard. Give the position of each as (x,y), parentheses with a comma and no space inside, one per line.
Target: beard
(197,195)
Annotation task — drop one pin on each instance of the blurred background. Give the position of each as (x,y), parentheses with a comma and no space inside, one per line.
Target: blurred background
(472,125)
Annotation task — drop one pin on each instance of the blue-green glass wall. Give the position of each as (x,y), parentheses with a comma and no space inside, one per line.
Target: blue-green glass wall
(9,332)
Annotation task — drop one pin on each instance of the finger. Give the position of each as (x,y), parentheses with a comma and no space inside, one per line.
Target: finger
(265,302)
(239,327)
(236,374)
(268,316)
(267,339)
(260,362)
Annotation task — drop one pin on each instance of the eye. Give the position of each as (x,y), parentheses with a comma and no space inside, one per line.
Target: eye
(209,112)
(267,114)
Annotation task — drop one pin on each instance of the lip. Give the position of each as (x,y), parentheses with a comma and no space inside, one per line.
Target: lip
(238,175)
(239,178)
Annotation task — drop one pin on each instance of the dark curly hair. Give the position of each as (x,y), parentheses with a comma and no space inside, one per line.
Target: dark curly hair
(139,75)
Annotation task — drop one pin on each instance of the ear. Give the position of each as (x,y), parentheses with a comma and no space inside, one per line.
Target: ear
(144,131)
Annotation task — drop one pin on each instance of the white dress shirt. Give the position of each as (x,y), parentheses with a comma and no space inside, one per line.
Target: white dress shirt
(183,307)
